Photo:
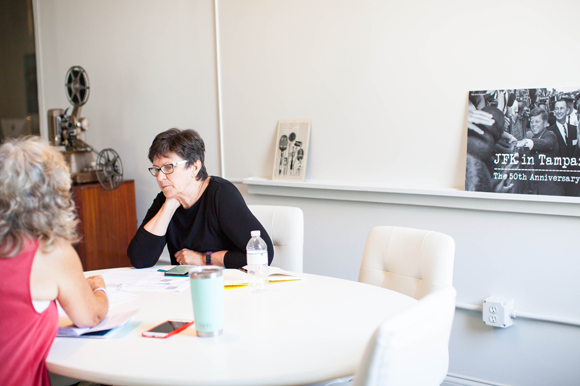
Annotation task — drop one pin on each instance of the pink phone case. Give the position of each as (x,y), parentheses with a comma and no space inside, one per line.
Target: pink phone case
(169,334)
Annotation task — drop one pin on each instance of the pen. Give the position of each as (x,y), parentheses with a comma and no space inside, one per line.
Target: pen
(119,287)
(243,270)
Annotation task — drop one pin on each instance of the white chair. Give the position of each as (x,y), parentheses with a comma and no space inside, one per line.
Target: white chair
(411,348)
(285,225)
(410,261)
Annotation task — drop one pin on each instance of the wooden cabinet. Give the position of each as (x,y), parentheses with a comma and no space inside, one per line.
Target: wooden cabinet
(108,222)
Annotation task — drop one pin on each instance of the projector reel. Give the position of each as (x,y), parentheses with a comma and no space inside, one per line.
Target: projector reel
(77,86)
(109,169)
(68,133)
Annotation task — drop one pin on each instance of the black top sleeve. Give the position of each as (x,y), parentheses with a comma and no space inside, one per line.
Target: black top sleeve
(237,222)
(145,248)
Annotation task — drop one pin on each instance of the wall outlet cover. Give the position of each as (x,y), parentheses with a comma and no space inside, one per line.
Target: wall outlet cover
(496,311)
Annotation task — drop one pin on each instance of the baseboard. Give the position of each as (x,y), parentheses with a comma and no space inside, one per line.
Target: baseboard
(462,380)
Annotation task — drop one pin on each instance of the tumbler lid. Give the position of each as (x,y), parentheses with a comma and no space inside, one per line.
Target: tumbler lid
(206,272)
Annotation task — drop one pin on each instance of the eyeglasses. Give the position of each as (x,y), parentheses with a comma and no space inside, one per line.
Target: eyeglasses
(166,169)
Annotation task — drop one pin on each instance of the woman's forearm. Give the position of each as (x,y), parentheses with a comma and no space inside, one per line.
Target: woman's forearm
(159,223)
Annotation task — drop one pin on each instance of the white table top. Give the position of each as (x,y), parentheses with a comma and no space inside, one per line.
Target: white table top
(297,332)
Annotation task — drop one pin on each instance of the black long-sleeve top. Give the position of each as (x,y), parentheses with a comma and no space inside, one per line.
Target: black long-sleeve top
(219,220)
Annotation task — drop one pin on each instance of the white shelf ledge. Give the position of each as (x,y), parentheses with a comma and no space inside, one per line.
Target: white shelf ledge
(443,198)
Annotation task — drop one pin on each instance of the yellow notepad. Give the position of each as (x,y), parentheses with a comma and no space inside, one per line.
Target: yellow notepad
(238,278)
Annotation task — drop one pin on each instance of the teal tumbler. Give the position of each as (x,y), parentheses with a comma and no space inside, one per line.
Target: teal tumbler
(207,296)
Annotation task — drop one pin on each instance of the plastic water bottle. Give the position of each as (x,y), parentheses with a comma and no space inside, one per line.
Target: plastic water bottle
(257,256)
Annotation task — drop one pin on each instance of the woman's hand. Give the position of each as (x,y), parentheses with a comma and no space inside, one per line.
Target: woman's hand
(96,281)
(189,257)
(172,204)
(159,223)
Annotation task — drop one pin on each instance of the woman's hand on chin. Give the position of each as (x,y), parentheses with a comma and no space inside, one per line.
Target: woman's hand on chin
(189,257)
(172,203)
(159,223)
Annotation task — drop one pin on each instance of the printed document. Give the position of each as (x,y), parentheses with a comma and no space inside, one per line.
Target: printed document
(67,329)
(147,279)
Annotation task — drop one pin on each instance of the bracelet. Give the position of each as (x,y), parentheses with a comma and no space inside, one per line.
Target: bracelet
(104,291)
(208,258)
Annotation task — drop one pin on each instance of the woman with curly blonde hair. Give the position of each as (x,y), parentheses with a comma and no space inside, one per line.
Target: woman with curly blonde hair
(38,263)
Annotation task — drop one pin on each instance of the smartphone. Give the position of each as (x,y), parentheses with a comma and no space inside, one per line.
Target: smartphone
(180,270)
(166,329)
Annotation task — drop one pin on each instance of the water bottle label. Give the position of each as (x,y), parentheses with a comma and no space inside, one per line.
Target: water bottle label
(257,257)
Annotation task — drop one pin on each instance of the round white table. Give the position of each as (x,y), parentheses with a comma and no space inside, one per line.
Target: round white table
(297,332)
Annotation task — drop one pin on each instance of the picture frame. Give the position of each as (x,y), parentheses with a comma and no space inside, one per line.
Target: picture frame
(524,141)
(291,150)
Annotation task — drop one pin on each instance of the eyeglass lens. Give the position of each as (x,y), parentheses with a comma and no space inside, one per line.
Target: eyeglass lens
(166,169)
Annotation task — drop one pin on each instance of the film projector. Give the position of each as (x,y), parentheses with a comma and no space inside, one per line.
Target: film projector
(67,133)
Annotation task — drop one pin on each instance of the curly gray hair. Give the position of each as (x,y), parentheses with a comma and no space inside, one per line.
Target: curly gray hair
(35,196)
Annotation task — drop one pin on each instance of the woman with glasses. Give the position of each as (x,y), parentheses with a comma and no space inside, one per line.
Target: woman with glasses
(202,219)
(37,261)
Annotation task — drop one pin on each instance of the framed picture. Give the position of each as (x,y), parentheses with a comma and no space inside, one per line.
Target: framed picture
(524,141)
(291,153)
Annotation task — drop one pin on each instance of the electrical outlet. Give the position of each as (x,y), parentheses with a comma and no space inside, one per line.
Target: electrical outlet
(497,311)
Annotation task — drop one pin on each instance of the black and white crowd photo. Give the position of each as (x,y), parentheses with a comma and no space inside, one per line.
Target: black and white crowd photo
(524,141)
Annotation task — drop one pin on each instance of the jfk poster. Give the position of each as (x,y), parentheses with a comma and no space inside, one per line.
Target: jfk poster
(524,141)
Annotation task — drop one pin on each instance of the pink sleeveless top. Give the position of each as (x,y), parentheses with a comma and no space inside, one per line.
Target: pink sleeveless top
(25,335)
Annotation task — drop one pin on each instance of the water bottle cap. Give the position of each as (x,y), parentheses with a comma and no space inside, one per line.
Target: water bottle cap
(255,233)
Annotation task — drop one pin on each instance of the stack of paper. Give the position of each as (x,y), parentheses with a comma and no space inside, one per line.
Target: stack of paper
(100,330)
(148,279)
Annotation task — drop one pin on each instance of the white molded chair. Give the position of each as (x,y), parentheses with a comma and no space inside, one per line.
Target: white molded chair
(410,261)
(285,225)
(411,348)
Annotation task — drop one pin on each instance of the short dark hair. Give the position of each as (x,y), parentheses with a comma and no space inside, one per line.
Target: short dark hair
(539,111)
(187,144)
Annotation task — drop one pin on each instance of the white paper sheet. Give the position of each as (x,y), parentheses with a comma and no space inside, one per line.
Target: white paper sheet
(110,322)
(148,279)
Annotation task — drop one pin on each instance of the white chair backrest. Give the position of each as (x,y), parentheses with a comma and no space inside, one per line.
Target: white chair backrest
(285,225)
(410,261)
(411,348)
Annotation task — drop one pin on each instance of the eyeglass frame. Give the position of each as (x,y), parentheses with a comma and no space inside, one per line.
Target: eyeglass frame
(157,170)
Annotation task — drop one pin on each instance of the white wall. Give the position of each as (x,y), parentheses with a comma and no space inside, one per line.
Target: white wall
(151,66)
(385,84)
